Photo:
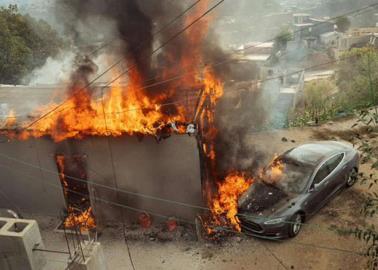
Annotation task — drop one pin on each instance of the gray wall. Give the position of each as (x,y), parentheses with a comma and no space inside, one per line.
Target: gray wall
(169,170)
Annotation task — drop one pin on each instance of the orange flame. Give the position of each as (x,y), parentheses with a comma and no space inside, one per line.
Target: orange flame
(130,109)
(275,171)
(10,119)
(226,202)
(123,110)
(85,220)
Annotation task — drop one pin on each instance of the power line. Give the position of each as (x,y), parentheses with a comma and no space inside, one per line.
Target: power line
(322,22)
(158,31)
(128,69)
(132,193)
(194,98)
(253,46)
(96,198)
(100,185)
(214,64)
(218,228)
(272,39)
(255,83)
(170,39)
(224,62)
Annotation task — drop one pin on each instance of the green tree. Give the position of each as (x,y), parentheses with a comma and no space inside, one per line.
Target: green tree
(316,99)
(343,24)
(358,78)
(25,44)
(281,40)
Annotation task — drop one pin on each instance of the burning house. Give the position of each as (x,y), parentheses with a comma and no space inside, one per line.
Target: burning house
(142,143)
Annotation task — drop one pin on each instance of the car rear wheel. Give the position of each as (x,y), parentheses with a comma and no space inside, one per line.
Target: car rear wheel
(295,225)
(352,178)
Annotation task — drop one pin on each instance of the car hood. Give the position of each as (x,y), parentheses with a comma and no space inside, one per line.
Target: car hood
(265,200)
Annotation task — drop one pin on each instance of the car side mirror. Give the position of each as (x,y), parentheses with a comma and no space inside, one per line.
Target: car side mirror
(313,188)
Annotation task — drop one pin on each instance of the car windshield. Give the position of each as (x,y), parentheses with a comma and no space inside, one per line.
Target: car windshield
(288,175)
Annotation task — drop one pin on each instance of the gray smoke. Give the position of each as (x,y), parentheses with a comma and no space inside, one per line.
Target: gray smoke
(134,23)
(239,114)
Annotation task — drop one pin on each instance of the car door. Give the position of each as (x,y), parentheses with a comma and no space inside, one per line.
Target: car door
(318,191)
(336,177)
(325,183)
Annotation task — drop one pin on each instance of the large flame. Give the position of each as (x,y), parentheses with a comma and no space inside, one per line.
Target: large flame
(80,215)
(225,204)
(131,109)
(122,110)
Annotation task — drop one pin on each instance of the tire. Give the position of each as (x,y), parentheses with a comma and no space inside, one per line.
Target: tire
(295,225)
(352,178)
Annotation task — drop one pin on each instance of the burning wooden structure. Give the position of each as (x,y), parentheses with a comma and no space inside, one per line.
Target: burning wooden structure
(136,145)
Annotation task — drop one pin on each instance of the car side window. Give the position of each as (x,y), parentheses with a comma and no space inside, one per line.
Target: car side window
(334,162)
(327,168)
(321,174)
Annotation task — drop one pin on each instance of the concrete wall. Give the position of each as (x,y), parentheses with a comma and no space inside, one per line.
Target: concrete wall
(169,170)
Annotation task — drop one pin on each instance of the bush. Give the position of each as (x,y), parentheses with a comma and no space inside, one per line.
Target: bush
(25,44)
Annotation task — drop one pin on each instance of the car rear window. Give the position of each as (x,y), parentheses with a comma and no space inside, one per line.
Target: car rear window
(311,154)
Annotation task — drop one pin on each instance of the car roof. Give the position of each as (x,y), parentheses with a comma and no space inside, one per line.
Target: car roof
(314,153)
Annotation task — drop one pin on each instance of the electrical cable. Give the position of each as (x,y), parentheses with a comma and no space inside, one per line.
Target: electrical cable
(253,46)
(138,194)
(218,228)
(214,64)
(155,33)
(116,185)
(233,90)
(165,43)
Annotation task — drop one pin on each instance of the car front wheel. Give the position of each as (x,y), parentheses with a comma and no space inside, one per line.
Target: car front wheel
(295,225)
(352,178)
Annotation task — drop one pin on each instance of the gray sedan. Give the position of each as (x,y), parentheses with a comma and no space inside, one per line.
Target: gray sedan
(295,186)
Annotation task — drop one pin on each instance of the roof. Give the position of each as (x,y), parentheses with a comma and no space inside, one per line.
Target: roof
(303,24)
(301,14)
(257,44)
(315,75)
(314,153)
(330,34)
(256,57)
(287,90)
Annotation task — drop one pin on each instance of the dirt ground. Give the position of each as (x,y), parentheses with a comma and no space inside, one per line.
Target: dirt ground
(322,244)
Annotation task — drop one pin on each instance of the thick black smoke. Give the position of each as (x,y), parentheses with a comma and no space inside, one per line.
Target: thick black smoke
(134,27)
(239,114)
(135,23)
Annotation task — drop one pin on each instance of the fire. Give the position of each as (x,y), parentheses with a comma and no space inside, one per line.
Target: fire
(60,162)
(84,221)
(275,171)
(10,120)
(225,204)
(79,211)
(123,110)
(131,109)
